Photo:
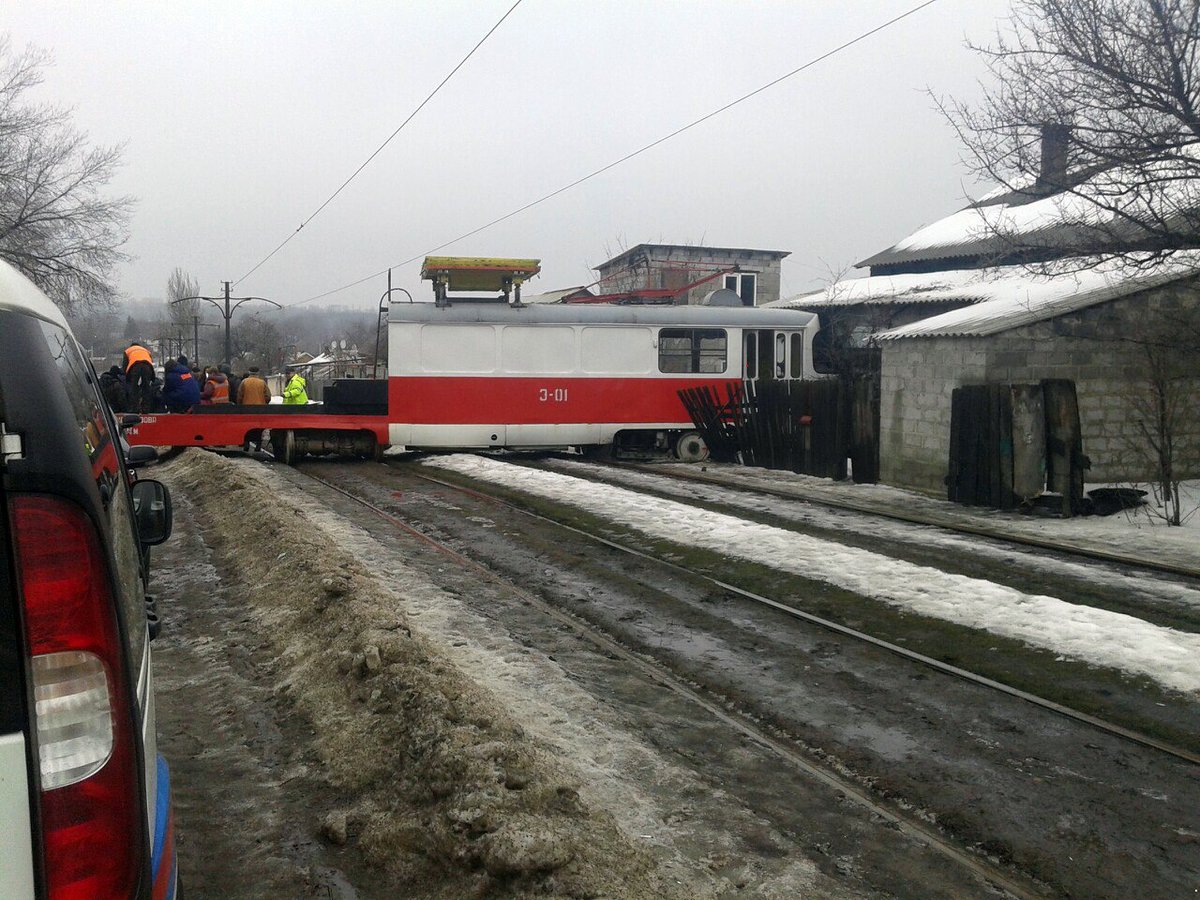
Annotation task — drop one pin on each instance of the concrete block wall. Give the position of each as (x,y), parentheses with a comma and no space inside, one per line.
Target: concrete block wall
(1097,348)
(647,270)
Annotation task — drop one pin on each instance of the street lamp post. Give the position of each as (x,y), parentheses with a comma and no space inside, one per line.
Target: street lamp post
(227,310)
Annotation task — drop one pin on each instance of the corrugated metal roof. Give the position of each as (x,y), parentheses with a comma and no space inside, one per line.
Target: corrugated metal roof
(1003,298)
(969,285)
(1016,301)
(1005,221)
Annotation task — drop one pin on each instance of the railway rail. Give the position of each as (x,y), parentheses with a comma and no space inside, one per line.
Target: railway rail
(1013,883)
(950,523)
(945,668)
(922,745)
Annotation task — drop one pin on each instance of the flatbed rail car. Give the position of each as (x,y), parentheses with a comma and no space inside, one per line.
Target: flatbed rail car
(500,376)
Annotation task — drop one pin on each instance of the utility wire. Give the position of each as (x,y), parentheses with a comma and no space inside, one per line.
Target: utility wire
(379,149)
(629,156)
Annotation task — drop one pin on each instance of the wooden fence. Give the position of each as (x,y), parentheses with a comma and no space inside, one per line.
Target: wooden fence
(801,426)
(1008,442)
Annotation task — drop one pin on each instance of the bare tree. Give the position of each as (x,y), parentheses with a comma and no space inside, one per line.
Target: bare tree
(56,226)
(180,314)
(1121,80)
(1164,439)
(259,342)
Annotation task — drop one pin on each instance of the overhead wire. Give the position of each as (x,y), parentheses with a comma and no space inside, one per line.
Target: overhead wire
(678,131)
(379,149)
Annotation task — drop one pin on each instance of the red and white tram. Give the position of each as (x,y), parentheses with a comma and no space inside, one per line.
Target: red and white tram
(497,376)
(494,374)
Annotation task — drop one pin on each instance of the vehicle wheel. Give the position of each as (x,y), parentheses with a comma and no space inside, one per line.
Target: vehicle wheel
(691,447)
(283,447)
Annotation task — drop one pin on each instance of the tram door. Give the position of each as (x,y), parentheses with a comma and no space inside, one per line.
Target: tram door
(766,355)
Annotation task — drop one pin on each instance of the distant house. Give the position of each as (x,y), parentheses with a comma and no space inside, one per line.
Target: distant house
(563,295)
(683,274)
(1000,293)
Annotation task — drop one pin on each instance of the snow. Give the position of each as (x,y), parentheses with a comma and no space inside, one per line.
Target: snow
(1095,636)
(1163,592)
(1004,297)
(1116,199)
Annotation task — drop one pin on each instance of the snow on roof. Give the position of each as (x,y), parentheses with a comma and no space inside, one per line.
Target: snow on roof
(968,285)
(1007,219)
(1002,298)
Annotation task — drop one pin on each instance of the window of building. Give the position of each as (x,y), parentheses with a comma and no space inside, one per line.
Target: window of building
(692,350)
(745,284)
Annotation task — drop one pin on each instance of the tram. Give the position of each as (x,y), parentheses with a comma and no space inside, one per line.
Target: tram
(495,373)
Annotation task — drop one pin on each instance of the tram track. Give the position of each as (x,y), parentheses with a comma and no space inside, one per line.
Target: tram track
(957,672)
(950,733)
(912,826)
(1064,548)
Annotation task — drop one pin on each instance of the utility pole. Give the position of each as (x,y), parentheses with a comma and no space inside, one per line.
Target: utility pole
(227,310)
(196,326)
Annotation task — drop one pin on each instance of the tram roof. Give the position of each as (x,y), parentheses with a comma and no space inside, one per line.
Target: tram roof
(598,314)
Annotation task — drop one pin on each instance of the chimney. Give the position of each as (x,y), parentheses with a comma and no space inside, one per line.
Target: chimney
(1056,142)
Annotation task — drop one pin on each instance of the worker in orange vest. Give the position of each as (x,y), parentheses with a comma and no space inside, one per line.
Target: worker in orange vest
(216,389)
(139,375)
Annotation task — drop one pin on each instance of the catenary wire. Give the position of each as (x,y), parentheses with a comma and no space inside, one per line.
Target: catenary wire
(379,149)
(678,131)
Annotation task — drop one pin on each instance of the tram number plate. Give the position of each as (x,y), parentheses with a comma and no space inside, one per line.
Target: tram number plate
(552,395)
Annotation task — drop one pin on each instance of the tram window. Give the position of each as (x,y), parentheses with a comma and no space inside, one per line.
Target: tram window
(780,355)
(751,354)
(692,350)
(797,355)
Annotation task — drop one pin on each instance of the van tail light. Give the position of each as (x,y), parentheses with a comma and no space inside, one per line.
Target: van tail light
(90,800)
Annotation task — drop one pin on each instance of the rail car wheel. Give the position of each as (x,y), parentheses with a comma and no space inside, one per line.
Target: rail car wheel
(691,447)
(283,446)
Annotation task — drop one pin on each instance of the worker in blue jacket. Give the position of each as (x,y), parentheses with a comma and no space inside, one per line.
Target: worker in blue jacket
(181,391)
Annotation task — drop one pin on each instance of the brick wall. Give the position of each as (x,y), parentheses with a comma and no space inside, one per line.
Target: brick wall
(1100,349)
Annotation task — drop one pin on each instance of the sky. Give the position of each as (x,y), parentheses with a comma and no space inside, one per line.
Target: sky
(1086,633)
(240,119)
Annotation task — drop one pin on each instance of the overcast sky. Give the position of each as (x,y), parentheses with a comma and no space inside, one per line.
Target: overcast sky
(240,119)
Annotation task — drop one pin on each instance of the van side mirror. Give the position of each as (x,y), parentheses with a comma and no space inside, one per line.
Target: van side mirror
(152,511)
(140,455)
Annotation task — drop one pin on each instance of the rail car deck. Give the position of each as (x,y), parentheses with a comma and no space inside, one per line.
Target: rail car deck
(295,430)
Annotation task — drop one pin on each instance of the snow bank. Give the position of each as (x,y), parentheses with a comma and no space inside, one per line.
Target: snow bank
(1091,635)
(438,784)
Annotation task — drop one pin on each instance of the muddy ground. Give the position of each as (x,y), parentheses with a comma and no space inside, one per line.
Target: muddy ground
(348,714)
(341,729)
(322,747)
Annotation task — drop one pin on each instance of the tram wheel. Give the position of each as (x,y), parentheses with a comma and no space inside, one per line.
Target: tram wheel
(283,446)
(691,447)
